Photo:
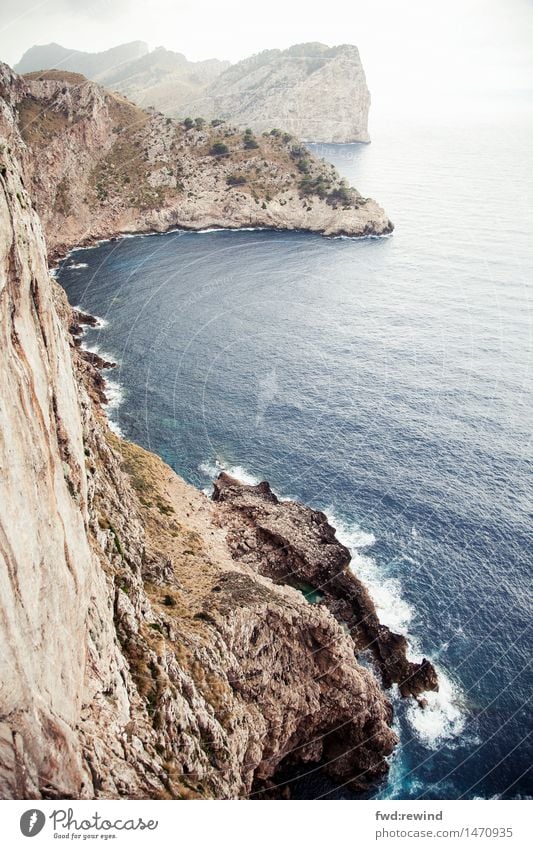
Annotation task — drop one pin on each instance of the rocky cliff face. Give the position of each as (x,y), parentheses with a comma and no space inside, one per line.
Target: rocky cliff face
(319,93)
(295,545)
(316,92)
(143,654)
(100,166)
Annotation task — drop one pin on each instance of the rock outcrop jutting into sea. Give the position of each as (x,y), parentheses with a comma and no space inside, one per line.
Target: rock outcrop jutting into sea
(317,92)
(152,645)
(100,166)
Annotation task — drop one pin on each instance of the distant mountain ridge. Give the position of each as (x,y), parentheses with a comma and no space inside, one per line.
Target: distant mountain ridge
(44,56)
(317,92)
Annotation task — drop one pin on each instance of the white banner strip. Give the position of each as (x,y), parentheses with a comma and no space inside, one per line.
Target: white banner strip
(272,824)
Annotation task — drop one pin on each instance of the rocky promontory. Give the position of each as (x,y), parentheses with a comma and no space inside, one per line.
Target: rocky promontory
(97,166)
(295,545)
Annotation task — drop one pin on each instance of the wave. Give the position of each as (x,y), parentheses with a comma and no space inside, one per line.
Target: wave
(365,236)
(212,469)
(230,230)
(444,716)
(95,349)
(386,592)
(114,394)
(115,428)
(100,322)
(75,265)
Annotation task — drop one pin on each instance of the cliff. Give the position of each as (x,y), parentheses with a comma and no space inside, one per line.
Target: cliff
(319,93)
(100,165)
(142,654)
(316,92)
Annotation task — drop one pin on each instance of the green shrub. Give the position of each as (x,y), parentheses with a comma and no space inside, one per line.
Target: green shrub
(236,180)
(249,140)
(216,122)
(342,195)
(188,123)
(298,151)
(310,186)
(219,149)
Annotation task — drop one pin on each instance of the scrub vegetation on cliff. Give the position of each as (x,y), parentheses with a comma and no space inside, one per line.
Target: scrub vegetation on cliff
(101,165)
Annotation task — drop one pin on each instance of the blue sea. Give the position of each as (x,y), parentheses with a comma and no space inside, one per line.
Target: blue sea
(385,381)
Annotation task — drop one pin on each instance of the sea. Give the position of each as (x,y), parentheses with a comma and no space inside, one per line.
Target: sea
(386,381)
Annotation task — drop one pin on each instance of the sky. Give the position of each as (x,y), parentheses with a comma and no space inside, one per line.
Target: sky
(429,49)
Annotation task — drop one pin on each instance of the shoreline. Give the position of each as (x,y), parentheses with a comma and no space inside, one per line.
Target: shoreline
(425,678)
(59,255)
(442,718)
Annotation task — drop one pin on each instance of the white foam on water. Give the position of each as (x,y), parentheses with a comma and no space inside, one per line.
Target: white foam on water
(212,469)
(76,265)
(386,592)
(114,394)
(362,238)
(100,322)
(113,426)
(444,716)
(95,349)
(77,248)
(229,230)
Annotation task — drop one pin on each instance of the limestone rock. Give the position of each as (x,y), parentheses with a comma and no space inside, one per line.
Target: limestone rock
(296,545)
(316,92)
(100,166)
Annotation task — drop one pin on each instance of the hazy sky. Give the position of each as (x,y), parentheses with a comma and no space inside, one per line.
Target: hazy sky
(428,48)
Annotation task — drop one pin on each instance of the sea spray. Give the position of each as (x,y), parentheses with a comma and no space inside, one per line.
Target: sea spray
(443,716)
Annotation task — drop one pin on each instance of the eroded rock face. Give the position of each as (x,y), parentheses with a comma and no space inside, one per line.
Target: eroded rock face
(319,93)
(47,562)
(139,657)
(100,166)
(293,544)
